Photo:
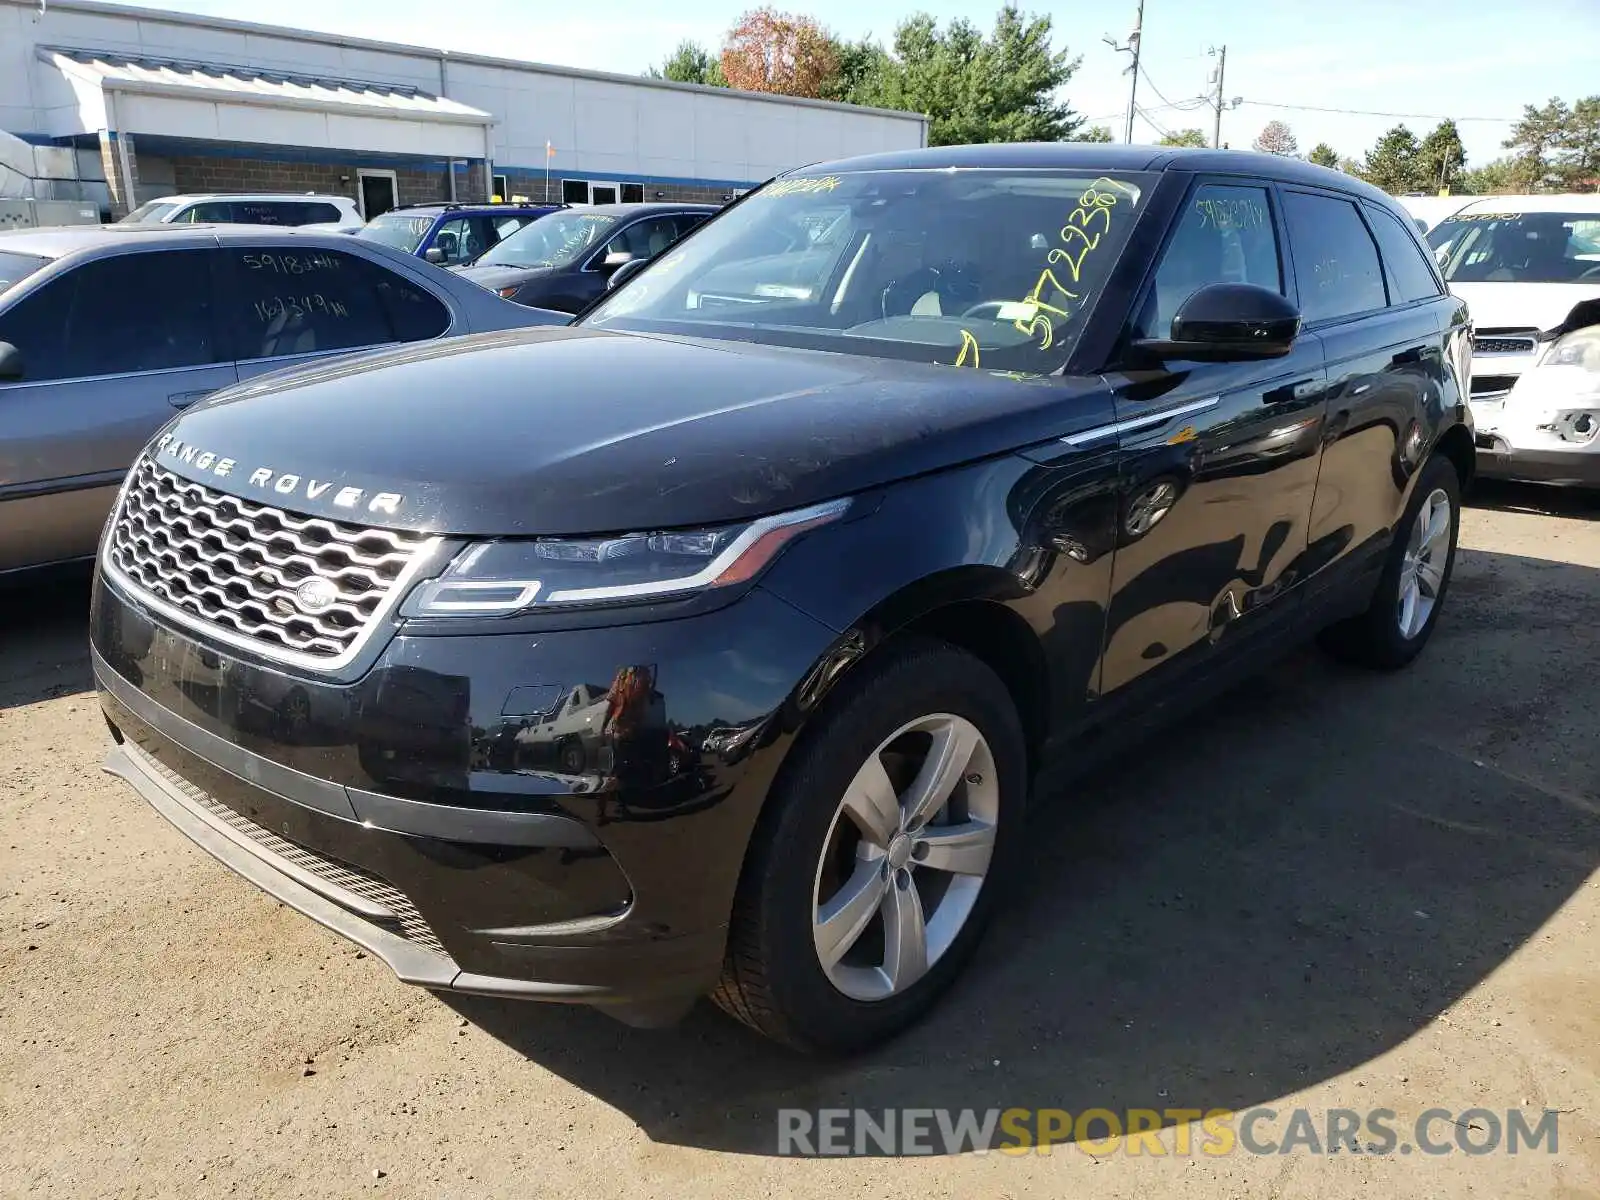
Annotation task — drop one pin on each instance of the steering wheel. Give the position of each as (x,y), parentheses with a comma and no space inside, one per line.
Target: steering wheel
(982,310)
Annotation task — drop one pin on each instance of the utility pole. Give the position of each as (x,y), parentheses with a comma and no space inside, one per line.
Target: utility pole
(1130,47)
(1215,98)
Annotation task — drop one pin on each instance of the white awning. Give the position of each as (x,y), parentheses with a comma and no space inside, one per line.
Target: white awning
(174,98)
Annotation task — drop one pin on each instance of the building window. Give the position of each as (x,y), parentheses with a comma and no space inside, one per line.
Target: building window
(632,193)
(502,188)
(574,191)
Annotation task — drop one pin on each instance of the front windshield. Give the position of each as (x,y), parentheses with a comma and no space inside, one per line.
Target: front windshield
(153,210)
(14,267)
(401,232)
(1534,247)
(557,240)
(986,268)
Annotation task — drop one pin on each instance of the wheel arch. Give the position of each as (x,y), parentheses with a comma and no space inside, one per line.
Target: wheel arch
(1456,444)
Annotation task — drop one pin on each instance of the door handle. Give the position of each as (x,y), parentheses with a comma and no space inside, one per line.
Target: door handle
(184,399)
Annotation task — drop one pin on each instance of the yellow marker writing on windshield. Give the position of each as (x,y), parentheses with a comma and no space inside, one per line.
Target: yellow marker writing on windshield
(969,345)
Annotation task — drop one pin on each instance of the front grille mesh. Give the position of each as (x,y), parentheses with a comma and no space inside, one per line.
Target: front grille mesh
(1503,345)
(408,922)
(236,565)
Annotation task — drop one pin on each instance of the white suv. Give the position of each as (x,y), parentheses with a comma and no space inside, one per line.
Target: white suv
(261,208)
(1529,269)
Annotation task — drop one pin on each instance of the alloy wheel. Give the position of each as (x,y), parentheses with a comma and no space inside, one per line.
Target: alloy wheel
(1422,569)
(906,856)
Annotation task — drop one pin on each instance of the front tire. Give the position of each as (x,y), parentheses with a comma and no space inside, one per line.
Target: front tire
(880,854)
(1411,592)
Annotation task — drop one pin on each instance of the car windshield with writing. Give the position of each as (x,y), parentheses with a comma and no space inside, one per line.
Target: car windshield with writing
(995,269)
(14,268)
(393,229)
(557,240)
(154,210)
(1534,247)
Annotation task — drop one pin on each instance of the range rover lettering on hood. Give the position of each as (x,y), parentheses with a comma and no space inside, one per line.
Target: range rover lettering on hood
(279,483)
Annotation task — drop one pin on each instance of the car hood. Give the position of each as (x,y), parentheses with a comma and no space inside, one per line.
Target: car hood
(1522,305)
(495,277)
(569,430)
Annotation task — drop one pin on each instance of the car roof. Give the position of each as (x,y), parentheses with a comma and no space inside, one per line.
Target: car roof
(191,197)
(1564,202)
(60,240)
(439,206)
(1102,157)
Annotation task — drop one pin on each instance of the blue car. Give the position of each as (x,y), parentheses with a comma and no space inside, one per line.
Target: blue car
(450,234)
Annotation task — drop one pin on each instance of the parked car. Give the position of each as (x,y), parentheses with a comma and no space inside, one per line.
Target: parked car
(1529,269)
(1428,211)
(563,261)
(106,331)
(264,208)
(1073,436)
(451,234)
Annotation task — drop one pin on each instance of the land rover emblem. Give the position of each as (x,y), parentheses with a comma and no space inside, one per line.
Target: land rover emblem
(314,595)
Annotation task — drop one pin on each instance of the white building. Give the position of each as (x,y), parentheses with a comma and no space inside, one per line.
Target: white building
(102,102)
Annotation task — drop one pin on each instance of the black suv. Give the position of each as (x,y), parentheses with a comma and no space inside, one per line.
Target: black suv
(565,261)
(711,644)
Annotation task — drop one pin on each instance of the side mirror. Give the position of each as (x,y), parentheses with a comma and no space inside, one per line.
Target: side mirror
(10,363)
(615,260)
(1228,322)
(434,255)
(626,271)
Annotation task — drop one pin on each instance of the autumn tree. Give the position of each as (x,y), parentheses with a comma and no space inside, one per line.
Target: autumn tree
(1392,163)
(1185,137)
(1324,155)
(1441,158)
(690,63)
(1277,138)
(770,51)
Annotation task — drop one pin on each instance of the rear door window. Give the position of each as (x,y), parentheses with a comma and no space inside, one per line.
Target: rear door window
(1336,264)
(1410,276)
(282,300)
(1225,235)
(117,316)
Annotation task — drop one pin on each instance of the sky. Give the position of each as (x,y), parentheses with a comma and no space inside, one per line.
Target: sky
(1424,59)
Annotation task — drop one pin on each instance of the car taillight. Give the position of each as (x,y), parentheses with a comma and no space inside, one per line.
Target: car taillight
(507,292)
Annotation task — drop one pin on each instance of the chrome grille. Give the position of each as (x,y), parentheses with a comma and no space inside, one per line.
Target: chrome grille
(1503,345)
(236,565)
(406,920)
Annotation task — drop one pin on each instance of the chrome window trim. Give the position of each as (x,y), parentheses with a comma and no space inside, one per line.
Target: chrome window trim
(1133,424)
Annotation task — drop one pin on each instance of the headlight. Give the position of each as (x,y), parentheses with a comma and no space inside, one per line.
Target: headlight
(1580,348)
(498,578)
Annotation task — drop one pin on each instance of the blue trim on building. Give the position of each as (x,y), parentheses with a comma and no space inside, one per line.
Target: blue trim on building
(559,173)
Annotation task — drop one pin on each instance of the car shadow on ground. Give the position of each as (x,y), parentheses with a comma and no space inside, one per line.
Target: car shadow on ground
(1540,499)
(1269,894)
(44,640)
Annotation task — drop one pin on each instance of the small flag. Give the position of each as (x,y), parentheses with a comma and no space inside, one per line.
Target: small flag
(549,150)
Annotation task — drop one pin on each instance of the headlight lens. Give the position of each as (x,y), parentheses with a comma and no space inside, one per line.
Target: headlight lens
(1580,348)
(499,578)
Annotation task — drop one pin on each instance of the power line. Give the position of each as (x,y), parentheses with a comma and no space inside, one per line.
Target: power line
(1368,112)
(1132,47)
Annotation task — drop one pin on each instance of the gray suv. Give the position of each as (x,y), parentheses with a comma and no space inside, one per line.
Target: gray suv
(106,331)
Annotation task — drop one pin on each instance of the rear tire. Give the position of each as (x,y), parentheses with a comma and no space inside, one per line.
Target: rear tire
(1411,592)
(844,871)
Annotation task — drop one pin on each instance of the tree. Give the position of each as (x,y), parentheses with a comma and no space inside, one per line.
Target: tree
(1441,158)
(1002,88)
(1091,133)
(770,51)
(1351,167)
(1392,164)
(1277,138)
(858,77)
(690,63)
(1533,141)
(1185,137)
(1492,179)
(1324,155)
(1579,142)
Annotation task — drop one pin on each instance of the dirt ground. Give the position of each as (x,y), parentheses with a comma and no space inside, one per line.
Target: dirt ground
(1331,890)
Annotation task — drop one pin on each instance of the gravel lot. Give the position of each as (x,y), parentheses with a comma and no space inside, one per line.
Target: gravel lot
(1331,890)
